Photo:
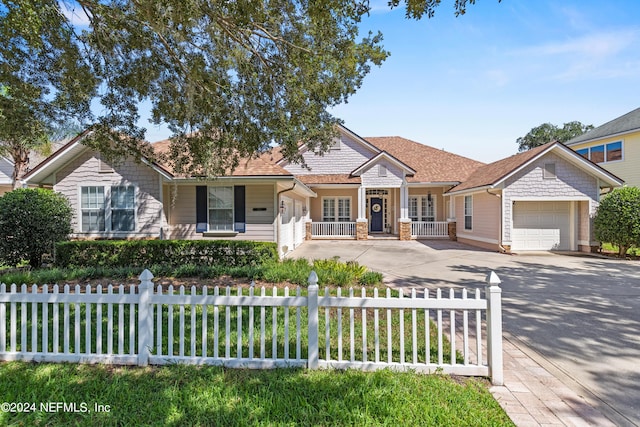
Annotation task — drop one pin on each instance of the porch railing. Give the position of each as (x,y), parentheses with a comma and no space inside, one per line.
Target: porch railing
(333,229)
(429,229)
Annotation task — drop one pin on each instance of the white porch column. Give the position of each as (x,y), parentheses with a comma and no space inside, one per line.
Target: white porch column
(362,198)
(404,201)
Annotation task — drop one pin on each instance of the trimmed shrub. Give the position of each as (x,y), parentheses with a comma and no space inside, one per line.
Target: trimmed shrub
(31,221)
(618,219)
(144,253)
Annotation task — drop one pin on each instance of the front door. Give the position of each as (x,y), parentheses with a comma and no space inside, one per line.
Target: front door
(376,214)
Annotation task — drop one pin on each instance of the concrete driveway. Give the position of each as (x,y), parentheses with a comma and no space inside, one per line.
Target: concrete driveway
(578,316)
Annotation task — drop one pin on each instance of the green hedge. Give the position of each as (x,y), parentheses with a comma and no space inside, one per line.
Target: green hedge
(141,253)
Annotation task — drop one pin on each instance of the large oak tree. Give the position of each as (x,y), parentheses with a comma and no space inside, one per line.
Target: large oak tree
(229,78)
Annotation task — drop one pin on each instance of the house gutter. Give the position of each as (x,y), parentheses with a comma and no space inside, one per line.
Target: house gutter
(502,249)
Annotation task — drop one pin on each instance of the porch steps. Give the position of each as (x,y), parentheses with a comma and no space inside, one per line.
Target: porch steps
(382,236)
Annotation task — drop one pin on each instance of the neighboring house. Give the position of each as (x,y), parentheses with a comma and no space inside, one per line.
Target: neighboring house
(615,146)
(360,188)
(6,172)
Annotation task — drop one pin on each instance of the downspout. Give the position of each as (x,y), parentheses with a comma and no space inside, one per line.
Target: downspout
(279,215)
(502,249)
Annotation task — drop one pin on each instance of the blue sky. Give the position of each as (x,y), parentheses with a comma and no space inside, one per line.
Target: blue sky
(473,84)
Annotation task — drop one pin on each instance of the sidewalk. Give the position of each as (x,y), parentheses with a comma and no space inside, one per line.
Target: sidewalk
(532,396)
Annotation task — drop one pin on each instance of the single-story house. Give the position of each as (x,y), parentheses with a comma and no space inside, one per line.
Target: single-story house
(361,188)
(6,172)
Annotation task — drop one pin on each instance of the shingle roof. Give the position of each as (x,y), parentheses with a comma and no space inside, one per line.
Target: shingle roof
(494,172)
(430,164)
(624,123)
(257,166)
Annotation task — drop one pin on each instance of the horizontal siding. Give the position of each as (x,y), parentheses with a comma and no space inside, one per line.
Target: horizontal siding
(260,224)
(83,171)
(486,217)
(394,176)
(343,161)
(629,167)
(258,232)
(6,171)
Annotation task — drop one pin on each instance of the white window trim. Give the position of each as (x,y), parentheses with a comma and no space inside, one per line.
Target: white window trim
(420,213)
(233,211)
(335,199)
(464,212)
(107,207)
(604,145)
(382,171)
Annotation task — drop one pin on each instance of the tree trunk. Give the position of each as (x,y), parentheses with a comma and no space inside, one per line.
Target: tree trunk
(622,251)
(20,163)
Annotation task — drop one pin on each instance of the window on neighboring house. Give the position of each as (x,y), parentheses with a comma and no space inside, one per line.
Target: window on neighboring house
(123,208)
(610,152)
(221,208)
(422,208)
(597,154)
(468,212)
(382,170)
(336,145)
(549,171)
(331,214)
(92,206)
(614,151)
(98,204)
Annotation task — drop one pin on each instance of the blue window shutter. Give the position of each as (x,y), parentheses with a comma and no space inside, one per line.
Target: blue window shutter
(201,209)
(239,209)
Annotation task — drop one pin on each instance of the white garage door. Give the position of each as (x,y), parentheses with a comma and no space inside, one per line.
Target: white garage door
(541,226)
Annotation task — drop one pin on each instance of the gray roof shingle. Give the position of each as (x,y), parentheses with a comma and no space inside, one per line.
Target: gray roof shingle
(624,123)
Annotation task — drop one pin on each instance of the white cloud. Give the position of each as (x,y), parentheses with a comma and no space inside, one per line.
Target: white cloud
(593,55)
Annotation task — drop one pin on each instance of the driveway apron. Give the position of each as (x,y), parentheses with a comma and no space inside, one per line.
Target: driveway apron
(576,315)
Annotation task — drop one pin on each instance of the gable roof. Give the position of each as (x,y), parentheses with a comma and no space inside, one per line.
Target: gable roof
(624,124)
(430,164)
(493,174)
(44,170)
(380,156)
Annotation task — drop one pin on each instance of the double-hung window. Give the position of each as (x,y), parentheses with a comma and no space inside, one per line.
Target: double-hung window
(336,209)
(468,212)
(105,209)
(221,208)
(93,208)
(123,204)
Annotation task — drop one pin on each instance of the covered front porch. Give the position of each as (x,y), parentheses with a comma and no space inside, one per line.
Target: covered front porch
(361,213)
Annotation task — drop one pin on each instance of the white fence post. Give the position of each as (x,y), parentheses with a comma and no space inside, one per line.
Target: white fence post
(312,310)
(145,319)
(494,328)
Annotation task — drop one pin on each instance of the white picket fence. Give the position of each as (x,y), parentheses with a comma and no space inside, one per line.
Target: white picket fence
(238,328)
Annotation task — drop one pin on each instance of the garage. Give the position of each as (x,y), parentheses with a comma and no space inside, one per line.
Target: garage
(541,226)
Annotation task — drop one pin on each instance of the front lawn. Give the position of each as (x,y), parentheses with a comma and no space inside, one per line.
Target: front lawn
(205,395)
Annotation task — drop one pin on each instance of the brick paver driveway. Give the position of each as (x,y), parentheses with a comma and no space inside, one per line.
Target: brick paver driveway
(579,315)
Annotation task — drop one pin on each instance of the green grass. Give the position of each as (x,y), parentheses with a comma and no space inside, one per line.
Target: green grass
(330,272)
(203,395)
(608,247)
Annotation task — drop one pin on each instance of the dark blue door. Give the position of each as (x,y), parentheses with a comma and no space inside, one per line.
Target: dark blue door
(375,213)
